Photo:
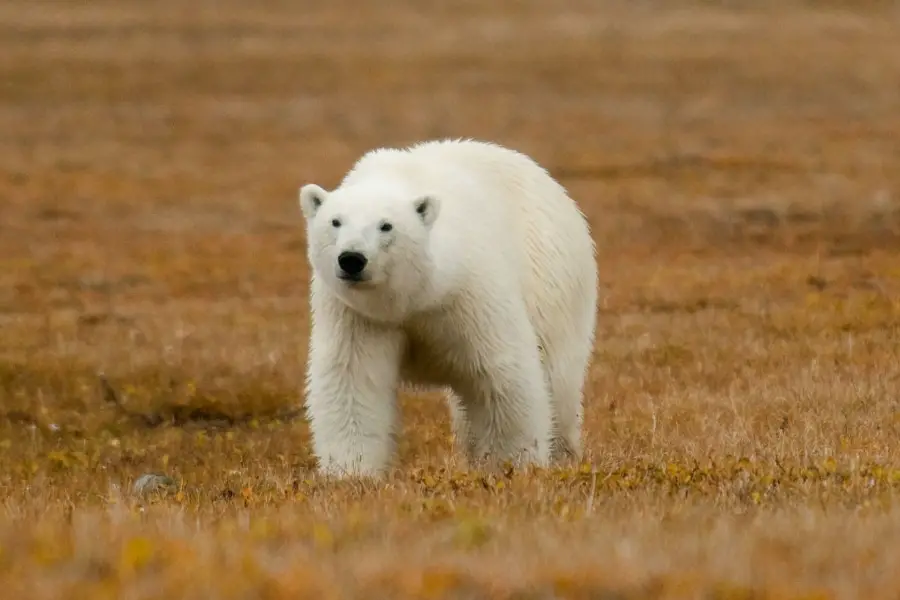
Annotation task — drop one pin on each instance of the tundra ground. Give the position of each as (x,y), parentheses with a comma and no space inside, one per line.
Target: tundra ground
(740,168)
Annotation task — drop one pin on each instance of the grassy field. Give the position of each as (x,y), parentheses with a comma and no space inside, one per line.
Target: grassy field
(740,168)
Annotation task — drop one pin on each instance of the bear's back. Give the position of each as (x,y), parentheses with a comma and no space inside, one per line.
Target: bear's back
(500,211)
(550,233)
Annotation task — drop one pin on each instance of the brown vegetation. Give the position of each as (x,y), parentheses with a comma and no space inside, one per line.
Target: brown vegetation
(740,168)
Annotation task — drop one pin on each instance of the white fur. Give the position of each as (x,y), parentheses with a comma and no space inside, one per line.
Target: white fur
(487,285)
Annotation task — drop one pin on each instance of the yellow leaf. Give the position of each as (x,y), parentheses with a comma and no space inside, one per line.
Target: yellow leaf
(60,459)
(436,583)
(81,457)
(323,538)
(261,529)
(137,554)
(250,565)
(471,533)
(46,554)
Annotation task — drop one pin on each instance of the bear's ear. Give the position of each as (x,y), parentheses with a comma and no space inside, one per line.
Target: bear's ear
(427,207)
(311,199)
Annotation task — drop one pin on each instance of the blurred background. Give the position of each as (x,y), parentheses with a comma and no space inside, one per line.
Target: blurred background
(670,121)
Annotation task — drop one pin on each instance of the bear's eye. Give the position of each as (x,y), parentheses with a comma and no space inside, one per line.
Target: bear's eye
(335,222)
(385,227)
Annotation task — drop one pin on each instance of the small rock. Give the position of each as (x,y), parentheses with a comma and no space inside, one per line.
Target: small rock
(153,482)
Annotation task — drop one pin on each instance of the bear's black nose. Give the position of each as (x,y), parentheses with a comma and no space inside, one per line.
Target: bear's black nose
(352,263)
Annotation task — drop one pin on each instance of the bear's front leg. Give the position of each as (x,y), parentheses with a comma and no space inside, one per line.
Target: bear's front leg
(351,392)
(508,406)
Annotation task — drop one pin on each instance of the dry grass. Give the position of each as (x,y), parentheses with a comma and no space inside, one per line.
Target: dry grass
(740,168)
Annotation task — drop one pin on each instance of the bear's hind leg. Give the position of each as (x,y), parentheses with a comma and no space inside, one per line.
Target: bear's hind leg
(507,407)
(459,421)
(567,359)
(566,377)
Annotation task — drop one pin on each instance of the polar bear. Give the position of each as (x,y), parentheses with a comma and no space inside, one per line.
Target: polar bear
(456,264)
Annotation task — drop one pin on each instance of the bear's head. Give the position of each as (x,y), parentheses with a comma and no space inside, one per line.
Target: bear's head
(369,239)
